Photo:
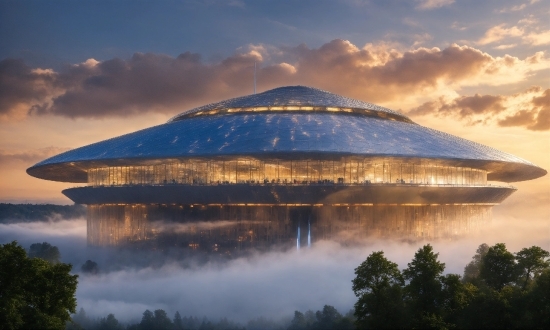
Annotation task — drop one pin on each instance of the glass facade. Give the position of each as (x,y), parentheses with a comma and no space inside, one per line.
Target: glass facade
(254,171)
(232,227)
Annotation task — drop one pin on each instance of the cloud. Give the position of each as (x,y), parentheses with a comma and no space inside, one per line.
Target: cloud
(514,8)
(505,46)
(463,106)
(528,32)
(160,83)
(432,4)
(21,87)
(529,109)
(519,7)
(538,38)
(499,32)
(457,26)
(29,156)
(535,119)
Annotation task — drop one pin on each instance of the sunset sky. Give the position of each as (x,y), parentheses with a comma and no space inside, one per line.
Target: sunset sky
(77,72)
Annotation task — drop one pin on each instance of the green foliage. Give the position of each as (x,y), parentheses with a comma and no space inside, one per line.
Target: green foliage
(498,267)
(531,262)
(35,294)
(471,271)
(45,251)
(423,294)
(378,285)
(374,274)
(489,297)
(538,301)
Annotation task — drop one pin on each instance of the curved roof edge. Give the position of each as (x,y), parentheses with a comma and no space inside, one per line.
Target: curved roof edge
(76,172)
(293,98)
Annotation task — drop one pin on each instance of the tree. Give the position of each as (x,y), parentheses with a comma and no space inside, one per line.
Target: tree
(155,321)
(424,291)
(378,285)
(147,320)
(109,323)
(455,297)
(471,271)
(161,320)
(539,301)
(498,267)
(178,322)
(45,251)
(35,294)
(90,267)
(328,318)
(531,262)
(298,322)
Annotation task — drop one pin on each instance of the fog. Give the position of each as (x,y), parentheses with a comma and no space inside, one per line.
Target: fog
(271,284)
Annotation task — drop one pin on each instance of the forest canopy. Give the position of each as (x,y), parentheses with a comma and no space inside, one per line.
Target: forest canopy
(11,213)
(499,289)
(34,293)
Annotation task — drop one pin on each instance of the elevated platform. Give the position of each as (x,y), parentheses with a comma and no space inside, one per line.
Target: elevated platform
(289,194)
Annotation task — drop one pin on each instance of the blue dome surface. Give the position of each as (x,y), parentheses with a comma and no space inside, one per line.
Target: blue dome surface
(290,135)
(292,96)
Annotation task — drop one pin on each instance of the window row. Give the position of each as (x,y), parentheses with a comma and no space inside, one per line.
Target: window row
(285,172)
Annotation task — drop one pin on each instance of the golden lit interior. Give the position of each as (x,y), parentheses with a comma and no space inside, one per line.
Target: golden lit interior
(234,227)
(295,108)
(253,171)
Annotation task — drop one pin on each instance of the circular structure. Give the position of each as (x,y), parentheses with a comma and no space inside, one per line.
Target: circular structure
(292,153)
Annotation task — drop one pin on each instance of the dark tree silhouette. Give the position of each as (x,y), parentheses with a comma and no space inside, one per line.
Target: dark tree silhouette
(378,285)
(298,322)
(109,323)
(155,321)
(471,271)
(90,267)
(178,322)
(45,251)
(34,294)
(498,267)
(424,291)
(531,262)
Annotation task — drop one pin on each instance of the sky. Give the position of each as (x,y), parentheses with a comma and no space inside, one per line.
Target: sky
(77,72)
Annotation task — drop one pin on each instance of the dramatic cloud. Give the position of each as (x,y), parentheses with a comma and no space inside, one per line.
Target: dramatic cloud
(22,87)
(464,106)
(535,119)
(529,109)
(160,83)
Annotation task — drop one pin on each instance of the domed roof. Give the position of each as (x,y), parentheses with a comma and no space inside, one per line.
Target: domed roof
(291,134)
(293,99)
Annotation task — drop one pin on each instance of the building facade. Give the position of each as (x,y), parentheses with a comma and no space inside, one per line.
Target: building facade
(287,166)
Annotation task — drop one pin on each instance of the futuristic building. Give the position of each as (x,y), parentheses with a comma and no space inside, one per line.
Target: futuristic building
(286,166)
